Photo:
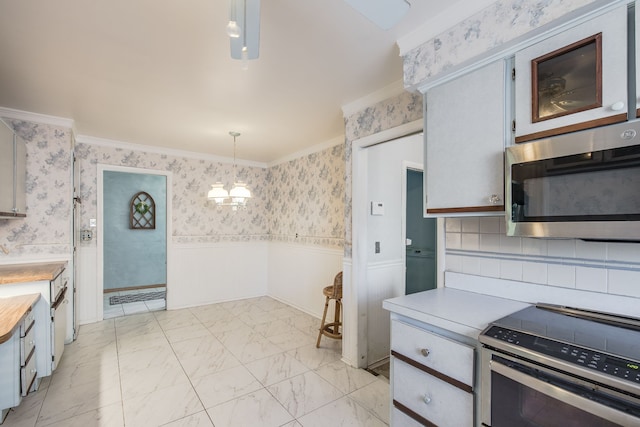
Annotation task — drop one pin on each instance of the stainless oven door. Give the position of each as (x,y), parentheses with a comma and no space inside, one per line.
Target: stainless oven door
(517,393)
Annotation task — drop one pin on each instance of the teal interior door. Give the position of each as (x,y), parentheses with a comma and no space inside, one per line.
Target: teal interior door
(420,271)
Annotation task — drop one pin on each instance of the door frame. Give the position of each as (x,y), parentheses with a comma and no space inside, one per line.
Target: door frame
(355,296)
(101,168)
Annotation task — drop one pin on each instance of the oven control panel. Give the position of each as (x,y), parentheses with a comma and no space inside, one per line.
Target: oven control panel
(622,368)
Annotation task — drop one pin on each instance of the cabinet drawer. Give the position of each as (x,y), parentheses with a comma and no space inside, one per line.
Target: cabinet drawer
(27,323)
(438,402)
(27,343)
(400,419)
(449,357)
(28,375)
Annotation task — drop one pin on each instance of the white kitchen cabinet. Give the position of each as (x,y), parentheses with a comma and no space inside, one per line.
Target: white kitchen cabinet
(431,376)
(48,280)
(13,173)
(18,353)
(434,339)
(465,134)
(563,85)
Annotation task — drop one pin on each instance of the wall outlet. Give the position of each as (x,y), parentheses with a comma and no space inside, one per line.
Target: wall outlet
(86,235)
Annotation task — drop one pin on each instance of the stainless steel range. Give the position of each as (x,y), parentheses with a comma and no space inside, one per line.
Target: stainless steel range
(557,366)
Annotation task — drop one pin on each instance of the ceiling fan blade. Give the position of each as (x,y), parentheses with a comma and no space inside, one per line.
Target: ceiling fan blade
(384,13)
(248,19)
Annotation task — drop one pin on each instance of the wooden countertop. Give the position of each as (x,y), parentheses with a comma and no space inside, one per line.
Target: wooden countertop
(12,311)
(19,273)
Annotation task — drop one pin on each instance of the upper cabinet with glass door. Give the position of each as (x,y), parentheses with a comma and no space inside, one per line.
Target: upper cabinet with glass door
(574,80)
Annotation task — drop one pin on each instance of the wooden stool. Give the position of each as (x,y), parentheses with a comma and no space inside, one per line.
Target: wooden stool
(332,330)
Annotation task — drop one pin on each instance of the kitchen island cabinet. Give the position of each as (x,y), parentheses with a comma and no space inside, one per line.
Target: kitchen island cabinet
(50,312)
(434,361)
(465,137)
(17,350)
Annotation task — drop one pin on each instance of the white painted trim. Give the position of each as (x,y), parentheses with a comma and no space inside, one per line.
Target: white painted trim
(389,134)
(44,119)
(101,168)
(339,140)
(91,140)
(356,299)
(394,89)
(441,22)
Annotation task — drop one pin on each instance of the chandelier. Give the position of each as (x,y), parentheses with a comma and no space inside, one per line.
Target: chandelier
(239,194)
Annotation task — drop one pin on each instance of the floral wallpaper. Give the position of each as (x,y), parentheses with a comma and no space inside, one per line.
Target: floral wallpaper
(195,219)
(497,24)
(295,197)
(47,228)
(306,199)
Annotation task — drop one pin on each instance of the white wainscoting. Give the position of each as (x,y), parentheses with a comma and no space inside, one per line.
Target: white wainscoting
(87,286)
(210,273)
(384,280)
(298,273)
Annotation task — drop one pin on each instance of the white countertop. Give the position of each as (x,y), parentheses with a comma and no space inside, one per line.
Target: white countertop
(463,312)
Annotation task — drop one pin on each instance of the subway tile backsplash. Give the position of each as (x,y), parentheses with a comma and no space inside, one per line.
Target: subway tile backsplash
(479,246)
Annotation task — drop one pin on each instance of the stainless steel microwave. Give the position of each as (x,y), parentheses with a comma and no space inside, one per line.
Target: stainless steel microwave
(583,185)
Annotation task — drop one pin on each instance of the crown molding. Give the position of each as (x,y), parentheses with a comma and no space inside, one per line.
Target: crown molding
(44,119)
(440,23)
(91,140)
(313,149)
(394,89)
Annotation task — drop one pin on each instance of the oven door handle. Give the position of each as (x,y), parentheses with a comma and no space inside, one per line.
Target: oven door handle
(564,396)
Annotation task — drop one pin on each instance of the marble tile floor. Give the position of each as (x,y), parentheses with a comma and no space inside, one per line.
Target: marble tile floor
(119,310)
(247,363)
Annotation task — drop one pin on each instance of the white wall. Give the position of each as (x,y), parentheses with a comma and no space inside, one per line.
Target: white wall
(240,271)
(298,273)
(385,270)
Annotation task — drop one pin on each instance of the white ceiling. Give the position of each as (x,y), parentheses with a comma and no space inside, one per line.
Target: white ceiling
(159,72)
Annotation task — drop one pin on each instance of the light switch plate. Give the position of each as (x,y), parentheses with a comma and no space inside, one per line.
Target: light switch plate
(377,208)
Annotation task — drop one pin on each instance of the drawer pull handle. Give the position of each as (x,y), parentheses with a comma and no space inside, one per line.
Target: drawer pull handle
(32,342)
(33,371)
(424,352)
(426,399)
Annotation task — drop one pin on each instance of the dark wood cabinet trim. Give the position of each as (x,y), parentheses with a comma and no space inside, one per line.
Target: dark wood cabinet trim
(456,383)
(596,39)
(492,208)
(411,414)
(618,118)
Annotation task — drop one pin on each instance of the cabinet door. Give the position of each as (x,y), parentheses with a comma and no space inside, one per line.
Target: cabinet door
(568,79)
(465,122)
(6,169)
(20,187)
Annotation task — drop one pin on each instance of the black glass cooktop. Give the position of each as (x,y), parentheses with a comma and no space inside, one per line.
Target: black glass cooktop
(575,331)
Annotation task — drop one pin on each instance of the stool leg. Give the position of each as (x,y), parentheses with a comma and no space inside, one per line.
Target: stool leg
(336,329)
(324,317)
